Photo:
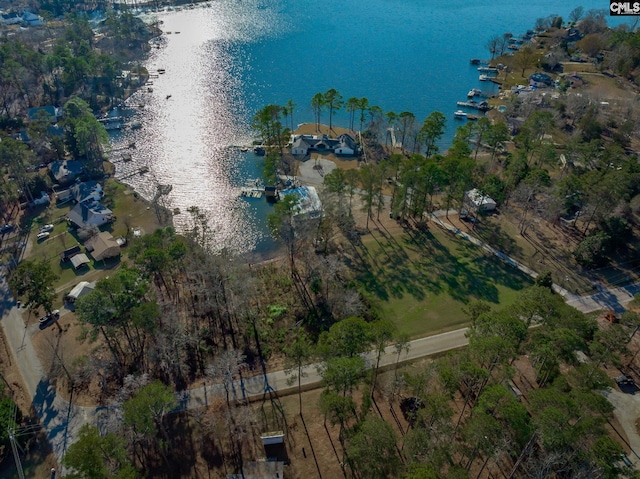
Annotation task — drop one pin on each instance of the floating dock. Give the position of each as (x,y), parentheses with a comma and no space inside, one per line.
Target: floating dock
(247,192)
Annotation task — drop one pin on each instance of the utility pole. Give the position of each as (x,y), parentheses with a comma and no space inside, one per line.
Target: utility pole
(16,457)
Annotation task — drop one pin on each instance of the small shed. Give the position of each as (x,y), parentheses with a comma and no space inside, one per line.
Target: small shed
(80,289)
(79,260)
(275,448)
(69,253)
(271,193)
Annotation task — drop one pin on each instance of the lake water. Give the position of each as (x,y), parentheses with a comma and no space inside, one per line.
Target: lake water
(233,58)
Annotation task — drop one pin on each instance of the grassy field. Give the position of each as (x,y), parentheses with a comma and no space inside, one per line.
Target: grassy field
(422,279)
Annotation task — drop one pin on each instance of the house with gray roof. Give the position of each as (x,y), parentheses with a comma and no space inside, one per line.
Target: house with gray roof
(540,80)
(87,191)
(90,213)
(66,171)
(10,18)
(343,145)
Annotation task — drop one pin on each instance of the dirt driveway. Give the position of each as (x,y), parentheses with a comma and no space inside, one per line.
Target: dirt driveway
(627,412)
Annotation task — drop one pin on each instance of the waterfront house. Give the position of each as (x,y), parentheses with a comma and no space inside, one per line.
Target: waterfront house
(87,191)
(540,80)
(66,171)
(102,246)
(342,145)
(300,146)
(90,213)
(346,145)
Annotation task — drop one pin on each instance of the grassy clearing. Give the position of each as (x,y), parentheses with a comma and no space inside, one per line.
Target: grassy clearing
(422,279)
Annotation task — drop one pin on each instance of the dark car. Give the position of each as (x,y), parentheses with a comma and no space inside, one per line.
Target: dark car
(51,317)
(6,228)
(626,384)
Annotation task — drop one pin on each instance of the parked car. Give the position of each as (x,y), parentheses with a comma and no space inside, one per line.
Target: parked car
(46,228)
(52,316)
(42,236)
(6,228)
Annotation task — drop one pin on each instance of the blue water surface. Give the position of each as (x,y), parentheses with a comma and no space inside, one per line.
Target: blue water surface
(226,61)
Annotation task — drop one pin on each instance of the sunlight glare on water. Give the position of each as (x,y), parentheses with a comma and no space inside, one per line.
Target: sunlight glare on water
(195,117)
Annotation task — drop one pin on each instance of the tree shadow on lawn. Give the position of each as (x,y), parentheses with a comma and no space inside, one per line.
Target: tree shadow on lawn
(462,271)
(492,233)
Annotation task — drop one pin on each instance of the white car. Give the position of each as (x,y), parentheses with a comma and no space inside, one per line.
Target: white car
(46,228)
(42,236)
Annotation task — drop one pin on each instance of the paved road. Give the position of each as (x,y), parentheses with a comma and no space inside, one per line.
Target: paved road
(62,419)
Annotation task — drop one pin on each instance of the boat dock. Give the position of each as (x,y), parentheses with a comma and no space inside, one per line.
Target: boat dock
(481,106)
(247,192)
(476,92)
(252,189)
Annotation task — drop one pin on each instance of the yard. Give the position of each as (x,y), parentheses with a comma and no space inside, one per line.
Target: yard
(422,279)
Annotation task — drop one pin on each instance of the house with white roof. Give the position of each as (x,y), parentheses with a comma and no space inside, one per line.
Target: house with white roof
(476,200)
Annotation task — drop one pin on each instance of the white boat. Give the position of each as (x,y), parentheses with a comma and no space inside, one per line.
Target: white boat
(473,92)
(459,114)
(483,77)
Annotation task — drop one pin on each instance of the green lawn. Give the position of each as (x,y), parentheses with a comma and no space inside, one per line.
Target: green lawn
(422,279)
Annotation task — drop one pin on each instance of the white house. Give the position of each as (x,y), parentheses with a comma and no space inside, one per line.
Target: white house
(477,201)
(343,145)
(90,213)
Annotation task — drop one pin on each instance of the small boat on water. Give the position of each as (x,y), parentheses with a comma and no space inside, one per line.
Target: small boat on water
(475,61)
(459,114)
(474,92)
(168,96)
(483,77)
(136,125)
(161,71)
(244,149)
